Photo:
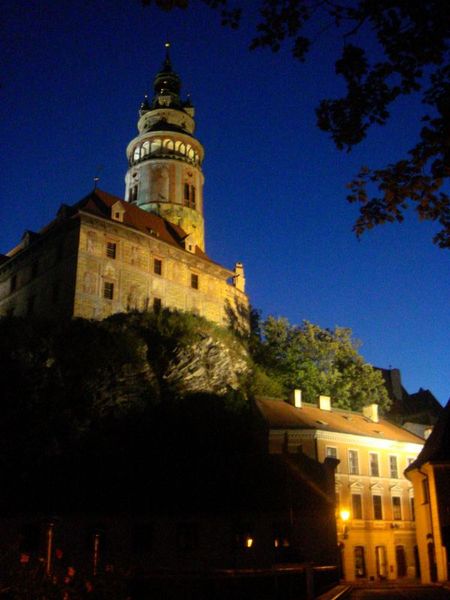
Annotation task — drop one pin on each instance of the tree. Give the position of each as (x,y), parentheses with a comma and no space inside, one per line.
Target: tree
(319,361)
(390,48)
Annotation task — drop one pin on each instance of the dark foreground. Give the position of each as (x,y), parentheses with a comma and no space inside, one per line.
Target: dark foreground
(399,592)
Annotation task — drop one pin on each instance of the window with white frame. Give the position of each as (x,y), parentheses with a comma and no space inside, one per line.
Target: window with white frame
(396,508)
(377,503)
(374,464)
(353,462)
(393,467)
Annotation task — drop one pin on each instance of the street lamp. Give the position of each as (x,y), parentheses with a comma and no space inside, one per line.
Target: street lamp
(345,516)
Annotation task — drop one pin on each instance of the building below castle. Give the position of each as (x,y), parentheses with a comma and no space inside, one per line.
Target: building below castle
(105,255)
(375,508)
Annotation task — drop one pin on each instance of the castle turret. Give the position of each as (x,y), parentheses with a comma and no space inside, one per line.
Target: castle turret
(165,175)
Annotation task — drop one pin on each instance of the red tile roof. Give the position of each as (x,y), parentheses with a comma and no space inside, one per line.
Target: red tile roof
(281,415)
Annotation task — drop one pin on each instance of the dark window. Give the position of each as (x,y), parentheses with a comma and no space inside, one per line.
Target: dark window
(192,198)
(186,193)
(357,506)
(108,290)
(393,467)
(360,561)
(374,467)
(133,193)
(413,510)
(156,304)
(396,508)
(425,491)
(157,266)
(194,281)
(111,250)
(377,508)
(13,283)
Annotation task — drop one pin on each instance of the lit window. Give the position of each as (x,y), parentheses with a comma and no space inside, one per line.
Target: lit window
(393,467)
(377,508)
(157,266)
(331,452)
(396,508)
(353,464)
(374,466)
(357,506)
(111,250)
(108,290)
(194,281)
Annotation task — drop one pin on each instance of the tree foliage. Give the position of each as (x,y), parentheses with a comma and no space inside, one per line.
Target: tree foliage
(389,49)
(319,361)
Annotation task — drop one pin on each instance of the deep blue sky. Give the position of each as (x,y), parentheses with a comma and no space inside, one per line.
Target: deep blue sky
(73,74)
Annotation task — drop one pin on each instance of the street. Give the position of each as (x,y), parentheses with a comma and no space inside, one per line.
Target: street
(398,593)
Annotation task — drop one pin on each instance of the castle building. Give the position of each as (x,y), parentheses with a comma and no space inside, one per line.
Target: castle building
(105,255)
(375,514)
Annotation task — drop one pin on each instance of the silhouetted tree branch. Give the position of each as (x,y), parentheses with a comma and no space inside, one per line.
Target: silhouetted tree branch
(390,48)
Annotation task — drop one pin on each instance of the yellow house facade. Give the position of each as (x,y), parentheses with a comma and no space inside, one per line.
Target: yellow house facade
(374,501)
(430,477)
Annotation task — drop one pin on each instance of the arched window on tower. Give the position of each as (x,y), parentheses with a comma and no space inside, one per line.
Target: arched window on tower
(155,146)
(145,148)
(192,198)
(186,194)
(169,145)
(137,153)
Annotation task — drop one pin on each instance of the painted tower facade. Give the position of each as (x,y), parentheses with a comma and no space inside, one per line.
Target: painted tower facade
(165,174)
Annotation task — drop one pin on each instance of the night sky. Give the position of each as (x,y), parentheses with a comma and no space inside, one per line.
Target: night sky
(72,77)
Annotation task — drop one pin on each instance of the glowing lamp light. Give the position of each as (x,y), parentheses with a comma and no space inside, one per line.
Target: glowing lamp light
(249,542)
(345,514)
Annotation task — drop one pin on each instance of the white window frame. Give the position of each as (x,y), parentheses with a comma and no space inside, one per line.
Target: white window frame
(377,463)
(356,454)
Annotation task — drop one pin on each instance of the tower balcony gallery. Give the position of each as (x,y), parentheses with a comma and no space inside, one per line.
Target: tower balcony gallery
(105,255)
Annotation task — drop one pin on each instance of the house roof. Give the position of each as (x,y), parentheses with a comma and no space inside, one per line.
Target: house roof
(437,446)
(99,203)
(281,415)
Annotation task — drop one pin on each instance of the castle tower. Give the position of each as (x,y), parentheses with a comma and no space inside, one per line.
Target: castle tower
(164,174)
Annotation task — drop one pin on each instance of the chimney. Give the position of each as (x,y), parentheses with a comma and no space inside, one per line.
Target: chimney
(427,432)
(371,412)
(324,402)
(295,398)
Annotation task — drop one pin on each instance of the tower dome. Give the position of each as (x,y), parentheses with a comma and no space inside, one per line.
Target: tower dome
(165,175)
